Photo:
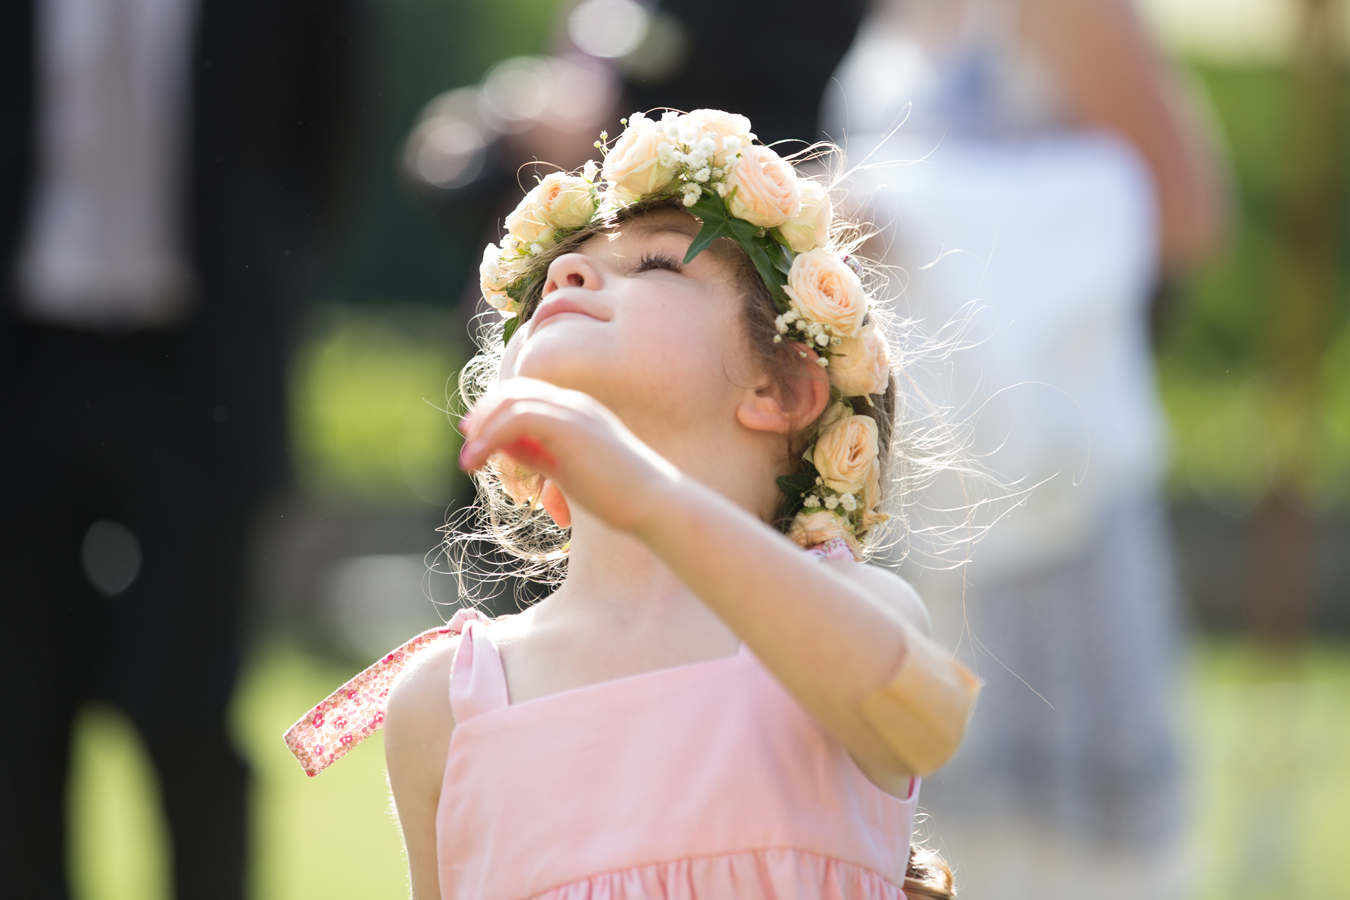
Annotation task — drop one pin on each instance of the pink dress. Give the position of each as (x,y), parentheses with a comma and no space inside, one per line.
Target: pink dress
(701,781)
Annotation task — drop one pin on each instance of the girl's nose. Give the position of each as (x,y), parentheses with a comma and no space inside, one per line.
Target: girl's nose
(572,270)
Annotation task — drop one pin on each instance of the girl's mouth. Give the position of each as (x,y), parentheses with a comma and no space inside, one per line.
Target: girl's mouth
(555,305)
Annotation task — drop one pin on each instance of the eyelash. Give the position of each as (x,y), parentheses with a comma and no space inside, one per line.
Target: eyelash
(657,261)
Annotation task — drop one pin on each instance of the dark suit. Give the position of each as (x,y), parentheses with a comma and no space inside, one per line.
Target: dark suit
(176,434)
(777,79)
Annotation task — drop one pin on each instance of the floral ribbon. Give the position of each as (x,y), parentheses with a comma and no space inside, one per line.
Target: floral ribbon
(355,711)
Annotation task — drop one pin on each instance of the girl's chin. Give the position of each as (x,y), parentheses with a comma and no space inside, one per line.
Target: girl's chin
(565,370)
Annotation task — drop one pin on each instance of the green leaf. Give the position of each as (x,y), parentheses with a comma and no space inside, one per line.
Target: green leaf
(770,259)
(509,329)
(795,488)
(712,211)
(761,252)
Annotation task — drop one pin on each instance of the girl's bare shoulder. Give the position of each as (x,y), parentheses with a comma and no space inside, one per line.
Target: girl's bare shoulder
(417,719)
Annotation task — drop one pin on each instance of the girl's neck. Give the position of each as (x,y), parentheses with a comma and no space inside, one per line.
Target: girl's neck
(616,577)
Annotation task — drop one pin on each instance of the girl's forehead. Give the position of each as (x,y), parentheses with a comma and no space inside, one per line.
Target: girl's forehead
(655,224)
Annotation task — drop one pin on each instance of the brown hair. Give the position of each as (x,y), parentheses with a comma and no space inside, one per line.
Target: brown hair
(928,877)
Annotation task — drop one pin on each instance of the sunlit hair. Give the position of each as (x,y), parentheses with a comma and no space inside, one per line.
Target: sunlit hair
(915,442)
(927,877)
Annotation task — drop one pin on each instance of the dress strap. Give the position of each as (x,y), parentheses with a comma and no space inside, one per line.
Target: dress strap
(477,680)
(355,711)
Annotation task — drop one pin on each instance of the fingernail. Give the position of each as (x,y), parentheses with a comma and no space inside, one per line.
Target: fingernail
(470,451)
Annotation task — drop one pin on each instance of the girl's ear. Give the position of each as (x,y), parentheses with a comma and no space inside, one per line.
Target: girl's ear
(785,412)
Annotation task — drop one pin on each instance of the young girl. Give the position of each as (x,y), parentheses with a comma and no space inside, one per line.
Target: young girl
(690,387)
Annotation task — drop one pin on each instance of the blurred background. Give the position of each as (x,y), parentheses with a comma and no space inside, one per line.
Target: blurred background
(371,222)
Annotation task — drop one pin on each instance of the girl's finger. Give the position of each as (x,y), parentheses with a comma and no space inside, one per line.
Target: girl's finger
(555,504)
(531,420)
(530,452)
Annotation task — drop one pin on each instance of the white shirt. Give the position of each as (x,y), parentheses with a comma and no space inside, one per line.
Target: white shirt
(1048,237)
(105,239)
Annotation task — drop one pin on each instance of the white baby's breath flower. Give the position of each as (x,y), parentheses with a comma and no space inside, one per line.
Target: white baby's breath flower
(590,170)
(730,132)
(703,174)
(536,249)
(848,502)
(811,501)
(831,502)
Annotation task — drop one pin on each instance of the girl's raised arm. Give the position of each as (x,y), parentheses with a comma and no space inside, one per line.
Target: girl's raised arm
(840,637)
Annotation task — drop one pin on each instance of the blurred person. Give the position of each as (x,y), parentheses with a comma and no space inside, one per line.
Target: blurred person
(165,166)
(472,142)
(1054,179)
(720,699)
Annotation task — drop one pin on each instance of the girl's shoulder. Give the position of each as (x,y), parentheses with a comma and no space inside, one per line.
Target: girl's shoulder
(417,713)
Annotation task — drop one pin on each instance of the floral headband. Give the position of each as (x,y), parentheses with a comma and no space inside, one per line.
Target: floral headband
(746,192)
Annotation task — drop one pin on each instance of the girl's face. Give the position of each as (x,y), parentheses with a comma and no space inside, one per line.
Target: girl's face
(624,320)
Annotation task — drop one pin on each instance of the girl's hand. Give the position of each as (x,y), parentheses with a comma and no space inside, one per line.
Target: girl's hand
(576,443)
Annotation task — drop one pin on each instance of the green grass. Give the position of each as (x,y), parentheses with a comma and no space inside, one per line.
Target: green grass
(321,838)
(1269,742)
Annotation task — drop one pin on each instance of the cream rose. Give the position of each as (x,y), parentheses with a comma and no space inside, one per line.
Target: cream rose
(833,413)
(871,497)
(860,365)
(565,201)
(845,451)
(722,125)
(528,222)
(494,278)
(823,289)
(813,528)
(810,228)
(765,188)
(633,165)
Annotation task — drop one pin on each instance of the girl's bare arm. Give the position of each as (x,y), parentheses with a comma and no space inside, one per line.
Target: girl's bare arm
(833,634)
(417,728)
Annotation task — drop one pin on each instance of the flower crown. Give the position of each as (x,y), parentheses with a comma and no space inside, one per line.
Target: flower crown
(746,192)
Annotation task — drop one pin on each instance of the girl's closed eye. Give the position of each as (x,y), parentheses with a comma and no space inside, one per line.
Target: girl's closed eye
(651,261)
